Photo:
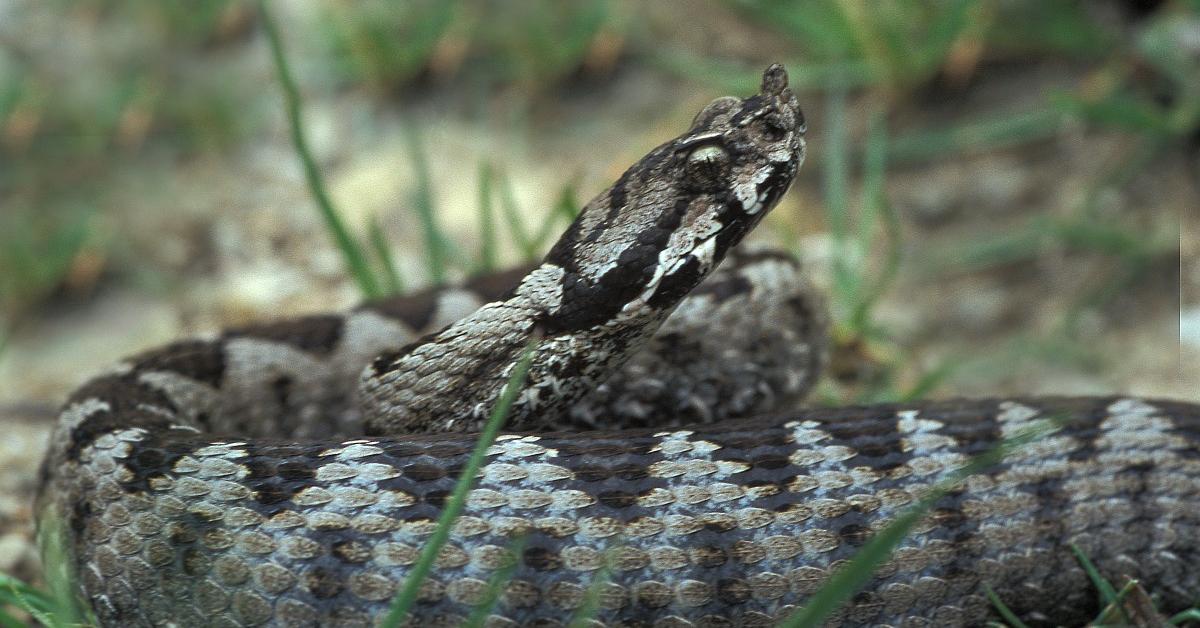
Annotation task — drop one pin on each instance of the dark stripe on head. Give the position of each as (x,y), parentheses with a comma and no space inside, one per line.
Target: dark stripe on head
(618,195)
(750,106)
(586,303)
(616,202)
(775,185)
(676,285)
(314,334)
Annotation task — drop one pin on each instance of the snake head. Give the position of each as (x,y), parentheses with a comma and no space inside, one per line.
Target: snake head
(671,217)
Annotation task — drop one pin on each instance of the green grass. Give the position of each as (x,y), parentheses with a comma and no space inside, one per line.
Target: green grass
(384,45)
(393,281)
(387,47)
(438,248)
(1111,601)
(496,583)
(356,260)
(52,605)
(589,609)
(18,595)
(37,253)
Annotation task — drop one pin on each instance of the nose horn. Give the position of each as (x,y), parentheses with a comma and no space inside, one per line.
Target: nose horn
(775,80)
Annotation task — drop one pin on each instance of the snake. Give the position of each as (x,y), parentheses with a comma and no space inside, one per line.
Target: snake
(658,466)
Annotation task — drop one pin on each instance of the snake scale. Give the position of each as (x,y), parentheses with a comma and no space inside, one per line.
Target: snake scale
(288,473)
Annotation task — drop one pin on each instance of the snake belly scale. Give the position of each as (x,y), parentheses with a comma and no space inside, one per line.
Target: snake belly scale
(288,473)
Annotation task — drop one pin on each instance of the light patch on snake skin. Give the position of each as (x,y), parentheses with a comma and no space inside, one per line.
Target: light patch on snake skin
(119,443)
(926,443)
(1012,415)
(747,192)
(782,155)
(76,413)
(692,478)
(225,450)
(190,397)
(909,423)
(353,450)
(704,230)
(1131,407)
(254,367)
(824,464)
(453,304)
(807,432)
(543,287)
(522,447)
(366,334)
(1140,433)
(706,252)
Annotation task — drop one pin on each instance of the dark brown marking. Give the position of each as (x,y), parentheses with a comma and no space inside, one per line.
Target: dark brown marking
(542,559)
(314,334)
(322,583)
(201,360)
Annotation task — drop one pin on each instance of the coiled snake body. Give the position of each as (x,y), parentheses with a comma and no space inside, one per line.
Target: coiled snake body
(228,481)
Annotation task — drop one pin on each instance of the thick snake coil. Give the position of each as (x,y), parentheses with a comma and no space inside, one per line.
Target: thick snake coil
(265,476)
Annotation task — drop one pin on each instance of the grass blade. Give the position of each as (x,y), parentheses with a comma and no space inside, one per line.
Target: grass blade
(355,259)
(587,611)
(7,620)
(835,174)
(994,132)
(565,209)
(1191,614)
(1115,610)
(407,596)
(512,217)
(876,207)
(437,246)
(929,380)
(487,221)
(1004,610)
(1108,595)
(395,283)
(39,605)
(495,583)
(568,204)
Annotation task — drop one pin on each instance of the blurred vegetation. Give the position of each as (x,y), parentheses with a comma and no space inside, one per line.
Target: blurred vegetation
(113,84)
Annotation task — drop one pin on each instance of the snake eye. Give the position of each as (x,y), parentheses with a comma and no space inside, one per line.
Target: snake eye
(770,130)
(707,167)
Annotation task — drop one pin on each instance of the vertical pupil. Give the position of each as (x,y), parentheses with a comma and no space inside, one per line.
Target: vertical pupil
(706,164)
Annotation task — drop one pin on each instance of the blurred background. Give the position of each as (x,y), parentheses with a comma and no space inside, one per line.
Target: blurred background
(1000,197)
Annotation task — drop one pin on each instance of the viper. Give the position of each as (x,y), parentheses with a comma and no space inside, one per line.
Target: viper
(289,473)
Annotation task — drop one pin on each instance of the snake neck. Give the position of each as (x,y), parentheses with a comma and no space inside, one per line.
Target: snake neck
(623,265)
(415,391)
